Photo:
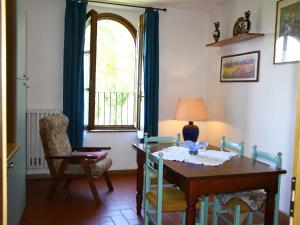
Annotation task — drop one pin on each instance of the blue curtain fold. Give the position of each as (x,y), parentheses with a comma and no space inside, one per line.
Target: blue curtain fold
(151,70)
(73,80)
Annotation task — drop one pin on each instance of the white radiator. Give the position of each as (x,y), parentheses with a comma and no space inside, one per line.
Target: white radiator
(36,163)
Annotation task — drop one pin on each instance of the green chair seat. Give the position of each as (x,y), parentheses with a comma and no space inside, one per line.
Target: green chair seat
(173,200)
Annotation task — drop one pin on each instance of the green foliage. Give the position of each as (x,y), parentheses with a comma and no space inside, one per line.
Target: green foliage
(115,58)
(114,71)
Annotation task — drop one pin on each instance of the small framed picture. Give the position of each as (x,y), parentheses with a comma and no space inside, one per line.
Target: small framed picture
(240,67)
(287,32)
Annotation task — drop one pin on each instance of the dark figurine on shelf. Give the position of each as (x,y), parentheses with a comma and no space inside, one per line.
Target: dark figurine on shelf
(247,23)
(216,34)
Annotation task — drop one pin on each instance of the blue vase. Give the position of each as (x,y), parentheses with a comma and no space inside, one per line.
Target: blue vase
(190,132)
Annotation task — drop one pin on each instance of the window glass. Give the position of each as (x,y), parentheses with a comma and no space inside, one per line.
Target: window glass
(111,88)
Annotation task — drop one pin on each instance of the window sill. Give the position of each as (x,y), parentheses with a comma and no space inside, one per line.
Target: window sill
(112,131)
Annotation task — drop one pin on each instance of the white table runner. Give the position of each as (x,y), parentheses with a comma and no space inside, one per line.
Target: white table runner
(205,157)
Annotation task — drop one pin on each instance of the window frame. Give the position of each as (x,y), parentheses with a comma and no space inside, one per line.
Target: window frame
(94,18)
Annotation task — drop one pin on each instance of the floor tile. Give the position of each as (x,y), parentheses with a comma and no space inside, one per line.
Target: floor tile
(76,206)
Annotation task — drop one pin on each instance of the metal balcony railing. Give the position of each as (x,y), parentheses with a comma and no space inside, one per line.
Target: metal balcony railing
(114,108)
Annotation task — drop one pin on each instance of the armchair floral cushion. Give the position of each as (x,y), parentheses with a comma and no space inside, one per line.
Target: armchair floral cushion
(97,169)
(55,127)
(249,200)
(56,133)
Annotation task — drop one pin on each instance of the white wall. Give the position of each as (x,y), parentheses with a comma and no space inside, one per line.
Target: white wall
(261,113)
(182,37)
(45,46)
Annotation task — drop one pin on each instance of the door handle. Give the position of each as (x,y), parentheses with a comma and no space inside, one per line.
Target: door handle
(25,84)
(10,164)
(24,77)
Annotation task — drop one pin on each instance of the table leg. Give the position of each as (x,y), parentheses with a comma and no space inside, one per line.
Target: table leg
(139,182)
(191,212)
(269,207)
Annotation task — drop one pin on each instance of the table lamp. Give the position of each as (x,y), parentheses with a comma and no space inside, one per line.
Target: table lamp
(191,110)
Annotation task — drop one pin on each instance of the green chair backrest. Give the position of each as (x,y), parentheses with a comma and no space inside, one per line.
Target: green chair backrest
(276,160)
(152,160)
(225,144)
(161,139)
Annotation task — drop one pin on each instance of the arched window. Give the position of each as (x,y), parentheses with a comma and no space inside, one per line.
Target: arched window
(110,81)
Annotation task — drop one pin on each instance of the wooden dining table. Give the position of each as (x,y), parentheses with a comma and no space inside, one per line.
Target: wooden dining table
(235,175)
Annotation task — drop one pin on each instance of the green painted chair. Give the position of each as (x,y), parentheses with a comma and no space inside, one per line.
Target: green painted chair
(162,199)
(225,145)
(162,139)
(245,204)
(229,145)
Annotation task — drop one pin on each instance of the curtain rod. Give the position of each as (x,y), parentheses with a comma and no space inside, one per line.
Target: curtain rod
(127,5)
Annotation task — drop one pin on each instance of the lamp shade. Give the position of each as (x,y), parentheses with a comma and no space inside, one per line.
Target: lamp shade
(191,110)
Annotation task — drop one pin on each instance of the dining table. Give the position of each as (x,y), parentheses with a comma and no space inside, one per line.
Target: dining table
(235,175)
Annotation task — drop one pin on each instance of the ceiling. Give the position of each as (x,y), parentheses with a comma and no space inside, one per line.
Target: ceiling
(180,4)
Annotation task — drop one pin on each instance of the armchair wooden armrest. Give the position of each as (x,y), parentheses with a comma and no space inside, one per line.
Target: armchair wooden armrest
(87,156)
(91,149)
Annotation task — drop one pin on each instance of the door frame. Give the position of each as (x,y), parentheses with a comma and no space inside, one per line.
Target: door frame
(3,142)
(296,166)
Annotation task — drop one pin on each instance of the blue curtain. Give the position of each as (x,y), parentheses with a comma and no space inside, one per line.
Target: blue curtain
(73,86)
(151,70)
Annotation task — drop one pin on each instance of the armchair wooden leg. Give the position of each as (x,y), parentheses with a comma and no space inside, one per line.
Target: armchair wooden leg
(91,181)
(68,182)
(57,178)
(52,189)
(108,181)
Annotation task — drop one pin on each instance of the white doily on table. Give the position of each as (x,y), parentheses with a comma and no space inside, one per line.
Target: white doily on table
(204,157)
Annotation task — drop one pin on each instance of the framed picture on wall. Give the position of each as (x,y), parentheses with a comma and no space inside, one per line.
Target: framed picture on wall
(240,67)
(287,32)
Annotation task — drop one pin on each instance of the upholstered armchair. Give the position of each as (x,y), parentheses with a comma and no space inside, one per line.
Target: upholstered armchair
(66,163)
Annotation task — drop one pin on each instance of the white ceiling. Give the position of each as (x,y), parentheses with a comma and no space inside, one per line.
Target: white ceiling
(180,4)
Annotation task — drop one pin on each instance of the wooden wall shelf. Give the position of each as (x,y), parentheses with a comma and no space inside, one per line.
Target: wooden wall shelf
(235,39)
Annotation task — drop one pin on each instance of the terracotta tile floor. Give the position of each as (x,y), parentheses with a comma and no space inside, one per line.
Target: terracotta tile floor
(76,206)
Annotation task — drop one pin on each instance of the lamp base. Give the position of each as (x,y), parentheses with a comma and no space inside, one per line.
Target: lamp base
(190,132)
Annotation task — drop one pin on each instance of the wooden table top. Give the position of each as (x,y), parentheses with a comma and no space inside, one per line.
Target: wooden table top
(234,167)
